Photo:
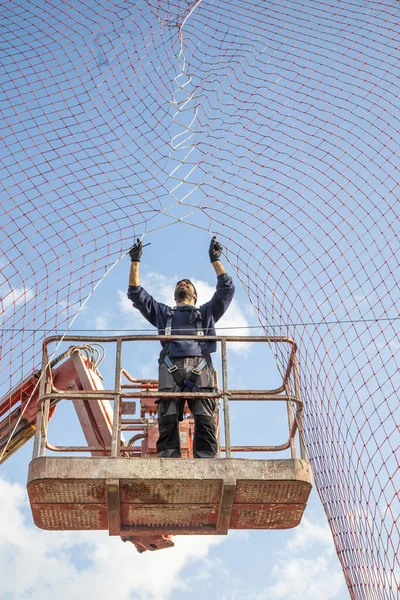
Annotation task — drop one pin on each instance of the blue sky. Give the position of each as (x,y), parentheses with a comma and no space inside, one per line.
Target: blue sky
(243,565)
(286,147)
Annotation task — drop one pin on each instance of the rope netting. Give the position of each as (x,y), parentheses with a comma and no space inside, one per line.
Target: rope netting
(274,125)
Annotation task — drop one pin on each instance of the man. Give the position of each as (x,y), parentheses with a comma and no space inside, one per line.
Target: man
(185,364)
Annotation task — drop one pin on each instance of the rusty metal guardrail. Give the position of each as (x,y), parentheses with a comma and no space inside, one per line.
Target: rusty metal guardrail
(288,392)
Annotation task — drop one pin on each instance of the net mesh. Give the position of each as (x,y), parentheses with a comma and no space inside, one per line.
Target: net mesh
(274,125)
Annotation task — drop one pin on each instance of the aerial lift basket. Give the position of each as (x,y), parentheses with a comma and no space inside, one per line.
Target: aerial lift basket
(128,491)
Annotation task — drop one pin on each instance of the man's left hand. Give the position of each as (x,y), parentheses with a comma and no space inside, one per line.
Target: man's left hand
(136,251)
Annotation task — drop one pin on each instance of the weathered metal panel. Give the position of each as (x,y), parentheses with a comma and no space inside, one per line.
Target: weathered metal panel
(266,516)
(67,491)
(170,491)
(66,517)
(168,517)
(255,492)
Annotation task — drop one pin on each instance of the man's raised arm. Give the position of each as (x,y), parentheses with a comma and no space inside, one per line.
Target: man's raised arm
(135,253)
(151,310)
(225,287)
(219,268)
(215,252)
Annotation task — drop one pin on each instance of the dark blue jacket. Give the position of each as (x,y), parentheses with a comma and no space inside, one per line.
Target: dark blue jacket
(156,313)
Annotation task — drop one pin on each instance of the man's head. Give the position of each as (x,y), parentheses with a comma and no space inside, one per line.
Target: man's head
(185,292)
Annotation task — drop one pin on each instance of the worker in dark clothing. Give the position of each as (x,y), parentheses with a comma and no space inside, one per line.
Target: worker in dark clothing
(185,365)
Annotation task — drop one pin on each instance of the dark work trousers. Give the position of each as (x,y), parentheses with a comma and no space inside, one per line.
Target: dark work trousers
(205,443)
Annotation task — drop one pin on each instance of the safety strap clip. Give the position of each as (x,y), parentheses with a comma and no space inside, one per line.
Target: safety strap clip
(170,365)
(199,324)
(168,324)
(199,369)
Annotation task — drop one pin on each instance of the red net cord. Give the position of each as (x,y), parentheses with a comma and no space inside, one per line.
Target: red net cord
(275,125)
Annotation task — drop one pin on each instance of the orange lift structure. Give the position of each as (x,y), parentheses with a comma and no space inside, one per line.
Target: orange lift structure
(123,487)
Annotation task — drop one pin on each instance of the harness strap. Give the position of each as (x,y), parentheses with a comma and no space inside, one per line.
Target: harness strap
(190,382)
(199,331)
(185,383)
(203,346)
(168,325)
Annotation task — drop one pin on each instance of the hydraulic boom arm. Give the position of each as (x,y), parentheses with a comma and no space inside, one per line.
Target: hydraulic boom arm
(76,370)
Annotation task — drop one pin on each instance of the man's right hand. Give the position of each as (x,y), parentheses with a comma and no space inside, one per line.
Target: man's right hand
(136,251)
(215,250)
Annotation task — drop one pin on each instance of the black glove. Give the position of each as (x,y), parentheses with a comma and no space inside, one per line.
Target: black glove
(215,250)
(136,251)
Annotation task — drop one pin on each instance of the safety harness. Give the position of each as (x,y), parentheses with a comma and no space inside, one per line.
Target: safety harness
(188,384)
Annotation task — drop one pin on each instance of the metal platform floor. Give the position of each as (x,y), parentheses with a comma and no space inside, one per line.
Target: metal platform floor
(130,496)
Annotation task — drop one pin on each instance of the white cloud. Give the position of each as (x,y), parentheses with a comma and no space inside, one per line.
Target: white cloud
(161,287)
(134,319)
(45,565)
(13,299)
(101,322)
(312,578)
(307,534)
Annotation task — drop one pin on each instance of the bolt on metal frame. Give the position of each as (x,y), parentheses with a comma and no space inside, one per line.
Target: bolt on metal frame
(48,392)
